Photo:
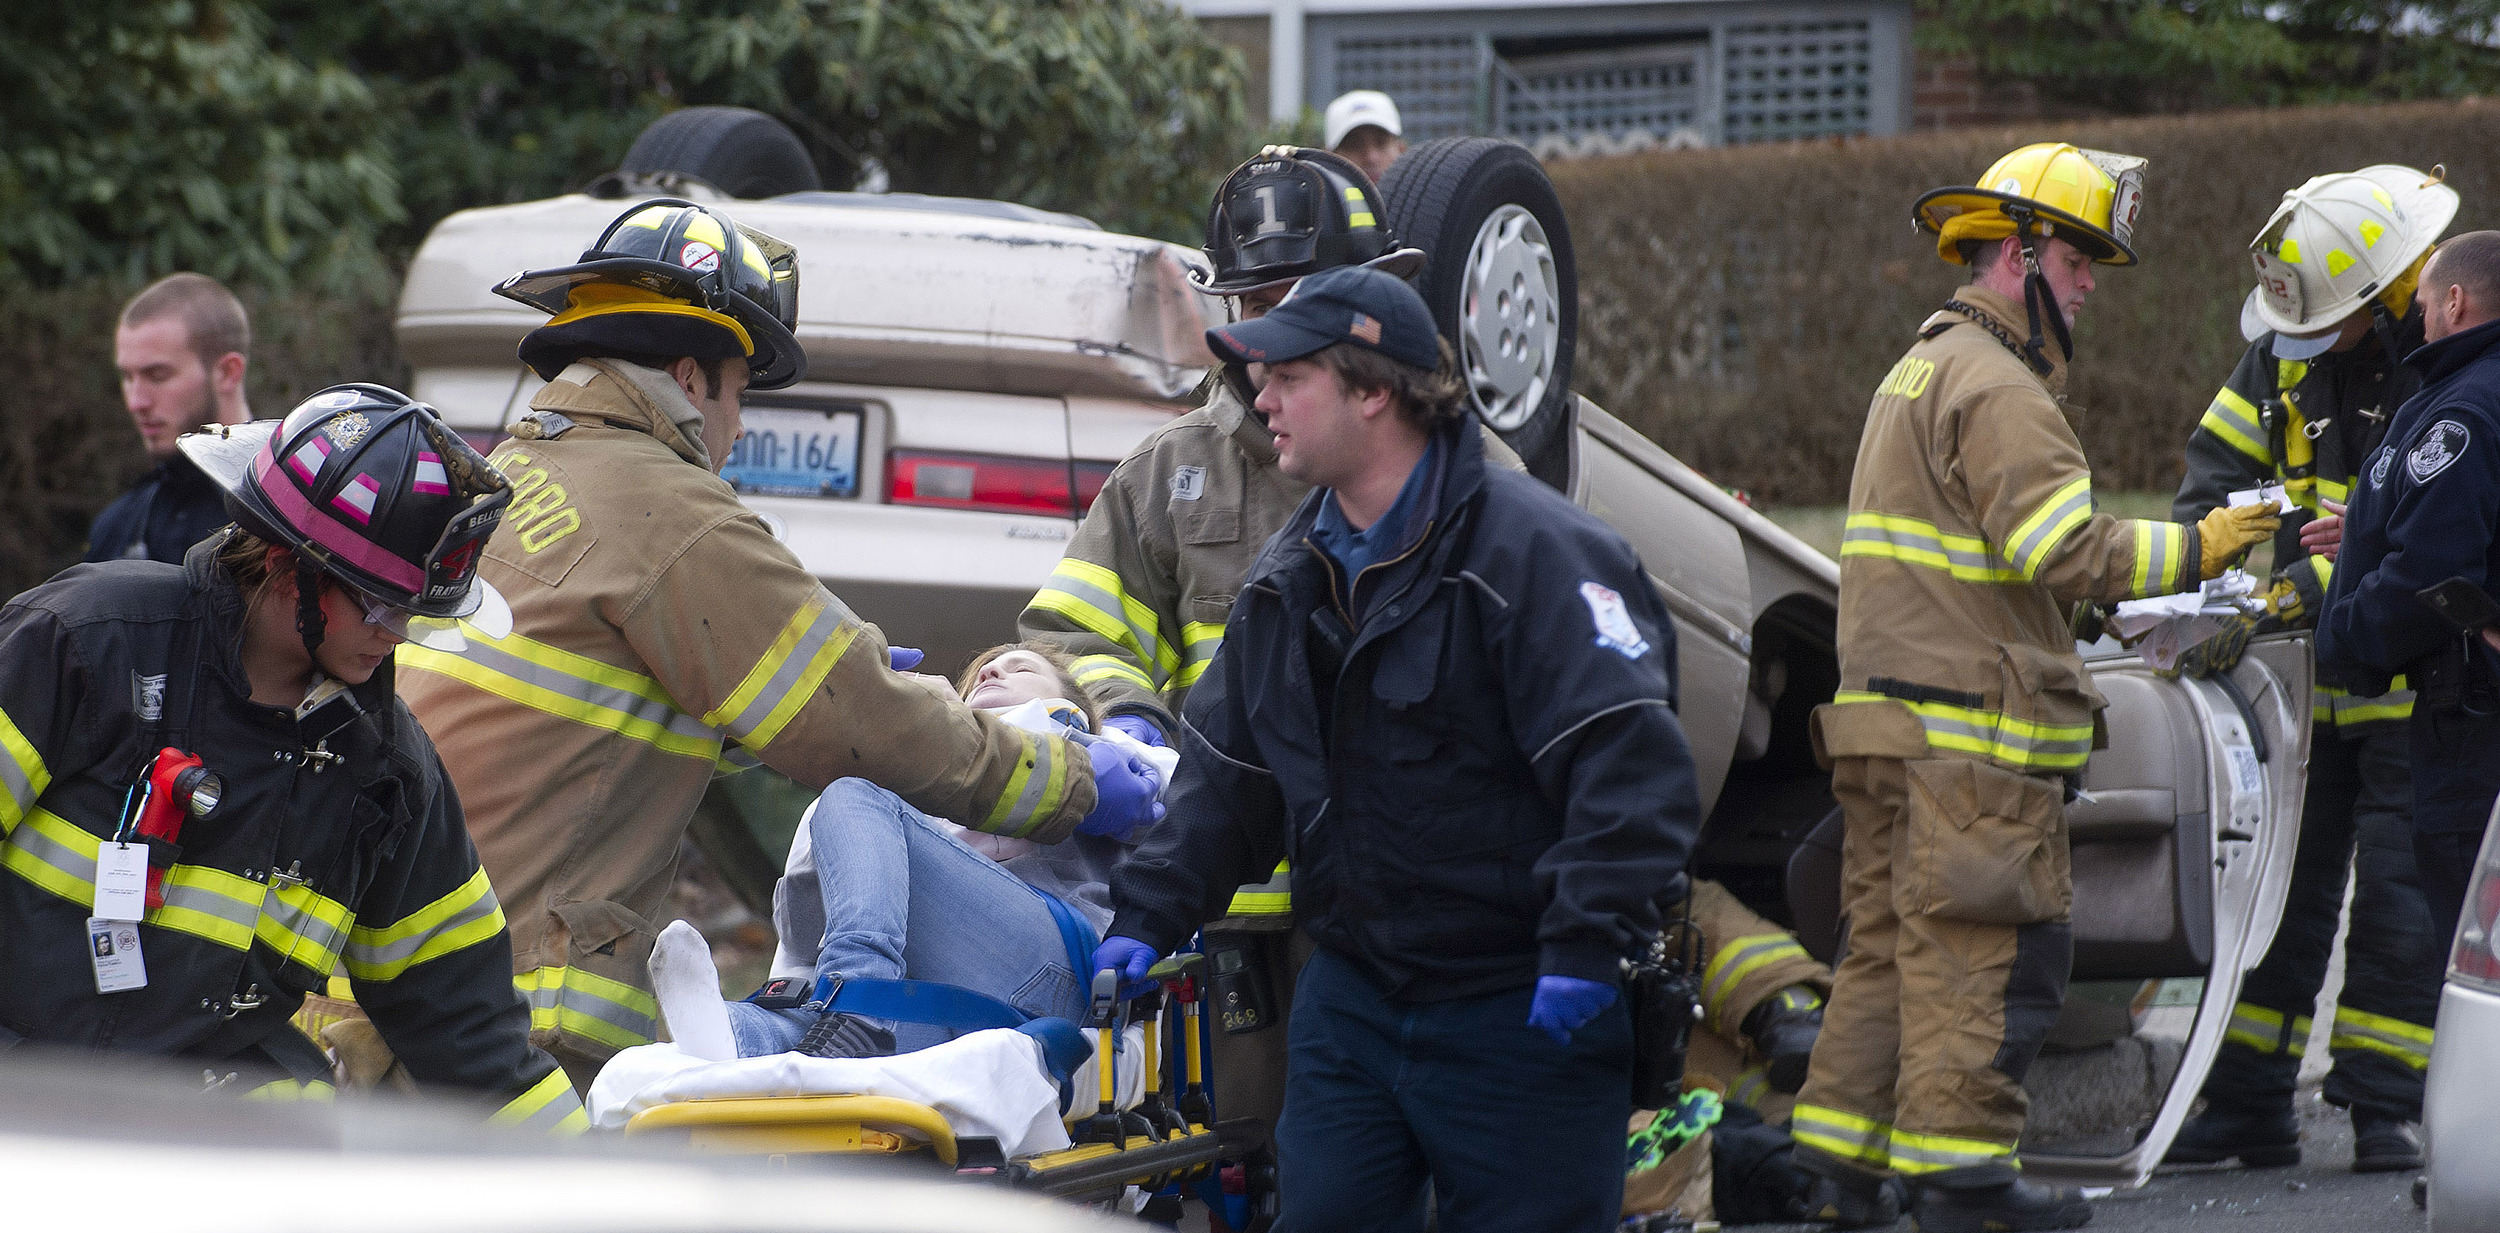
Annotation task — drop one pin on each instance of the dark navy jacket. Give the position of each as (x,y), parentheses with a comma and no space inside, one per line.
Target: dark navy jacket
(1480,781)
(172,507)
(2426,509)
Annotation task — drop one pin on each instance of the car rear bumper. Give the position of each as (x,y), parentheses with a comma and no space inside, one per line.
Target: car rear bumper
(2462,1118)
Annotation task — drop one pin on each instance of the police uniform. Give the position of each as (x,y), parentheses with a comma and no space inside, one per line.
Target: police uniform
(2423,511)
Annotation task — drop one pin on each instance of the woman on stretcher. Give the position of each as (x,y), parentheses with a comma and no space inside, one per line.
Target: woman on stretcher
(890,892)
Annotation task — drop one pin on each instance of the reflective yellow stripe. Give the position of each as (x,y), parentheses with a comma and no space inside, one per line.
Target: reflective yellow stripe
(1203,639)
(1266,898)
(1847,1136)
(2409,1043)
(2234,420)
(299,924)
(1915,541)
(2035,539)
(573,687)
(1992,734)
(290,1091)
(2160,549)
(1914,1153)
(550,1105)
(2261,1028)
(462,919)
(1092,596)
(23,776)
(589,1006)
(1092,670)
(1739,958)
(2323,568)
(1035,791)
(1752,1086)
(779,684)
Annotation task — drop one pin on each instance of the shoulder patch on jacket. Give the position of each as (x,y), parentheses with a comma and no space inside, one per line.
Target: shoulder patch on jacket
(2439,447)
(1189,483)
(2378,469)
(1615,630)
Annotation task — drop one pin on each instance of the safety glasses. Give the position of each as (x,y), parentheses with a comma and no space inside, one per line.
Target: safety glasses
(433,633)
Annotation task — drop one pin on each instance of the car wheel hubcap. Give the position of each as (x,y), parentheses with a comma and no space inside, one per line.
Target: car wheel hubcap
(1510,318)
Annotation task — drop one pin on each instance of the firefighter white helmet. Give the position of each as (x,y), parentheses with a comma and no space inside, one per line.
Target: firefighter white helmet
(2336,244)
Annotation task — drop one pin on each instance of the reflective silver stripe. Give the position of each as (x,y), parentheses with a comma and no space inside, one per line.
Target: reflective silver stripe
(1730,966)
(1961,562)
(562,1001)
(1036,798)
(208,902)
(2047,530)
(1925,1154)
(623,701)
(1147,642)
(791,672)
(545,1108)
(327,939)
(1994,734)
(397,953)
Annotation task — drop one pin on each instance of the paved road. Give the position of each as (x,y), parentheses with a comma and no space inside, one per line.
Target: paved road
(2320,1195)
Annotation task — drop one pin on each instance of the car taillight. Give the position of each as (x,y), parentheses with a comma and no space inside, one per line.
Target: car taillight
(2474,962)
(988,482)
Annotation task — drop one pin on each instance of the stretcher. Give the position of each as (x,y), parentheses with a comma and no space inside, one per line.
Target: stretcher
(1157,1144)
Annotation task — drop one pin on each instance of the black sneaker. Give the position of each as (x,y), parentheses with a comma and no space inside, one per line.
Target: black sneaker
(2384,1144)
(840,1035)
(2009,1207)
(2259,1139)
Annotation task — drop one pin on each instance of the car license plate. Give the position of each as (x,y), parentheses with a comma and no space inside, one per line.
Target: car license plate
(796,453)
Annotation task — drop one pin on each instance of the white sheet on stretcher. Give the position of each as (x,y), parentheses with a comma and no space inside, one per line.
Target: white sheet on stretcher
(988,1084)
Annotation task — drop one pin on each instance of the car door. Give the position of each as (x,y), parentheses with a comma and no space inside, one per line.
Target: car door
(2182,844)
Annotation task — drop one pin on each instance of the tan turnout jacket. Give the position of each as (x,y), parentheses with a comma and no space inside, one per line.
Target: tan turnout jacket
(1141,597)
(1971,533)
(658,628)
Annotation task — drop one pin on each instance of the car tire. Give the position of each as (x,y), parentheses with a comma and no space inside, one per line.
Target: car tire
(1488,216)
(738,150)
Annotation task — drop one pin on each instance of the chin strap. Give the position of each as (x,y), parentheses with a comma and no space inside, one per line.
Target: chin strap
(2037,298)
(308,622)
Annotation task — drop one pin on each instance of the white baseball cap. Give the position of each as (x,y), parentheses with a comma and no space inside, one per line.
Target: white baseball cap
(1356,108)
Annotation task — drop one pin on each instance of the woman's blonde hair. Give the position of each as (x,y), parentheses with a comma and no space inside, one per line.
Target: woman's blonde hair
(1059,662)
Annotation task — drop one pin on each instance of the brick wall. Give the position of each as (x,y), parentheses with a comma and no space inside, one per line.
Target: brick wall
(1949,94)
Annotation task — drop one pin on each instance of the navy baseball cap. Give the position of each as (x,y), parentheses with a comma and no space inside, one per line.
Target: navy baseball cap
(1351,304)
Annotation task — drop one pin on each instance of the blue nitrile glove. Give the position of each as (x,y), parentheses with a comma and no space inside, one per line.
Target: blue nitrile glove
(1564,1004)
(1142,729)
(1131,959)
(904,658)
(1124,795)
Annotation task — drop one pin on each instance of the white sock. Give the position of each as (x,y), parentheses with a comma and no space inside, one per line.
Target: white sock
(688,989)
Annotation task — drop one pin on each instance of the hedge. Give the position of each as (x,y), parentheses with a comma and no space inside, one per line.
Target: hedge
(1739,305)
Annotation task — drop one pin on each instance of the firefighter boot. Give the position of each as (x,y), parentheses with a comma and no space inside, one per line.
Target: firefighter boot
(2266,1138)
(1784,1029)
(2384,1144)
(1992,1198)
(840,1035)
(1845,1196)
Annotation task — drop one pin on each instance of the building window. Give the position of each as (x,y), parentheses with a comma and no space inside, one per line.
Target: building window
(1792,79)
(1433,79)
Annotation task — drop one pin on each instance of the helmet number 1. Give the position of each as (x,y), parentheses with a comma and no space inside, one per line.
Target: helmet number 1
(1269,224)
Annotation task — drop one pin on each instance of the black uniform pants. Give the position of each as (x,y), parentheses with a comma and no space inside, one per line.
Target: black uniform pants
(2456,775)
(2355,821)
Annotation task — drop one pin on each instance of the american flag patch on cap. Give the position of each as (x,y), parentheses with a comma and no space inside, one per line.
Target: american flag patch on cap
(1365,328)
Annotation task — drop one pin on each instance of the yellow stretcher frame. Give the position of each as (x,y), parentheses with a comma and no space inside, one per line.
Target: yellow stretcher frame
(1110,1156)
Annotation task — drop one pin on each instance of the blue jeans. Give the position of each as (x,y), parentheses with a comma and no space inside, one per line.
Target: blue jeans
(1514,1131)
(903,898)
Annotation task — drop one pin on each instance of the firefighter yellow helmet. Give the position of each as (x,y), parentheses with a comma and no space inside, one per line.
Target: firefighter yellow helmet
(2088,198)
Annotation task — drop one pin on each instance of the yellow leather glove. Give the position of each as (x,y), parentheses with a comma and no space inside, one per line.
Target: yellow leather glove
(2283,601)
(2226,533)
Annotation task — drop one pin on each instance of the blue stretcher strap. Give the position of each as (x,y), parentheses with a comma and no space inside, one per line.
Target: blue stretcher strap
(1074,933)
(952,1007)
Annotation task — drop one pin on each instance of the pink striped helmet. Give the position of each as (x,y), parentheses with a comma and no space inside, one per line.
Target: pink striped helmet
(370,486)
